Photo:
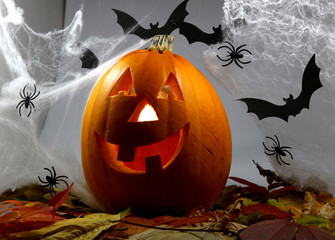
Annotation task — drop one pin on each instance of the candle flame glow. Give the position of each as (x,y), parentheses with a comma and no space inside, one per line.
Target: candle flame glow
(147,114)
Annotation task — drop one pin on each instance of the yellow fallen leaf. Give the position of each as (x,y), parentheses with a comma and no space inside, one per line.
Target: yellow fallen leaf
(320,205)
(85,228)
(289,203)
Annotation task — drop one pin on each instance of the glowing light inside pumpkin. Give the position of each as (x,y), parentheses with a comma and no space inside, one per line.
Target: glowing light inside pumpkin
(147,114)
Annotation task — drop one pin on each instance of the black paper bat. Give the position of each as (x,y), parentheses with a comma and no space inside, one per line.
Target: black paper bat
(292,107)
(88,59)
(131,26)
(194,34)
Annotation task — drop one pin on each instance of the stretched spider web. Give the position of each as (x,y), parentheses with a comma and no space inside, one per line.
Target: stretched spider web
(283,36)
(51,62)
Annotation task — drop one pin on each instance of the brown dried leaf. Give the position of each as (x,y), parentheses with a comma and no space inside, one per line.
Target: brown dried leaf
(320,205)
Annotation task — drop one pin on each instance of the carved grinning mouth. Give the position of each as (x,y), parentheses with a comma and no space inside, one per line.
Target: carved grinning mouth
(148,158)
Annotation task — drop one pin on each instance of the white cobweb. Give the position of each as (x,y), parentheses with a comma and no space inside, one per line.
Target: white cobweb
(51,62)
(283,35)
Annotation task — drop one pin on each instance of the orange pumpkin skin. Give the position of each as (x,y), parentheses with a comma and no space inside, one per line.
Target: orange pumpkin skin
(192,126)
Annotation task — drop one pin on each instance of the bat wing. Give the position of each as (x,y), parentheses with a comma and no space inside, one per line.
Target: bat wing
(88,59)
(178,15)
(264,109)
(310,83)
(131,26)
(194,34)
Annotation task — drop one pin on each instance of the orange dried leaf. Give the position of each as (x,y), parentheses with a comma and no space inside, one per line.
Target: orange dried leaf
(266,210)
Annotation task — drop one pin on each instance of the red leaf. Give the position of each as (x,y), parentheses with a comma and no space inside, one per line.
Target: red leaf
(282,191)
(266,210)
(59,198)
(164,220)
(276,229)
(251,186)
(274,185)
(313,233)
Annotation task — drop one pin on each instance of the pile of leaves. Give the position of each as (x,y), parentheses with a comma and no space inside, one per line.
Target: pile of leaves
(244,211)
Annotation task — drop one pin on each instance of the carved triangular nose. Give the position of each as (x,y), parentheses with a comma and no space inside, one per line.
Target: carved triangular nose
(144,112)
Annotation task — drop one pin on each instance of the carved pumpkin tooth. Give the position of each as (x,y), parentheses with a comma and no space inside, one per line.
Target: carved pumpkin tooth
(153,165)
(126,154)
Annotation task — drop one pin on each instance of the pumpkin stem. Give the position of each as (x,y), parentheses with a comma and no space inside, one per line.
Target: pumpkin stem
(161,43)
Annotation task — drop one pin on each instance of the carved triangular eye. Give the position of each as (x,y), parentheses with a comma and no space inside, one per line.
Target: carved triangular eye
(171,88)
(144,112)
(124,84)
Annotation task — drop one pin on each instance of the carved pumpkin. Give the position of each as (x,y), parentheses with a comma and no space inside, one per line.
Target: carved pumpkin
(155,136)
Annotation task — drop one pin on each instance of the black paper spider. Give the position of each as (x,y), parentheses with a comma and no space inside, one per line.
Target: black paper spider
(27,99)
(52,180)
(234,54)
(277,150)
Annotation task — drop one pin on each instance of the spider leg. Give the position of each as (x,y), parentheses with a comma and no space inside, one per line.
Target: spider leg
(271,153)
(21,95)
(245,50)
(20,103)
(233,48)
(61,180)
(34,90)
(243,62)
(45,185)
(288,153)
(53,169)
(30,110)
(42,180)
(283,161)
(62,176)
(33,96)
(49,172)
(32,105)
(223,65)
(20,108)
(237,49)
(237,63)
(224,46)
(267,148)
(224,60)
(52,191)
(278,143)
(285,147)
(275,143)
(24,90)
(278,157)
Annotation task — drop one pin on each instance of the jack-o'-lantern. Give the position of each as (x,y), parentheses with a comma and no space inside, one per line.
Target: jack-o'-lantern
(155,136)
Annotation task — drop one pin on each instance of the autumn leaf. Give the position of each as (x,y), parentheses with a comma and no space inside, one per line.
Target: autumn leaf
(268,211)
(124,230)
(228,195)
(22,216)
(87,227)
(289,203)
(252,187)
(277,229)
(313,220)
(155,234)
(320,205)
(313,233)
(282,229)
(263,192)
